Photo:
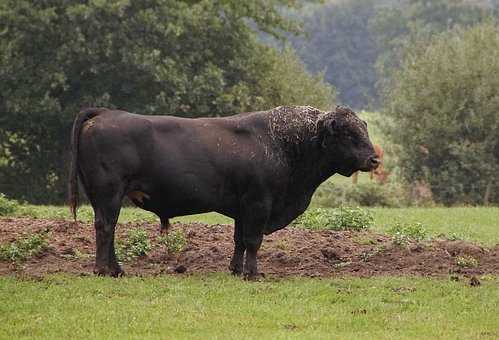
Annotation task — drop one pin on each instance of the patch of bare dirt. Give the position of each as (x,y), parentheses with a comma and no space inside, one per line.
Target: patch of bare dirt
(289,252)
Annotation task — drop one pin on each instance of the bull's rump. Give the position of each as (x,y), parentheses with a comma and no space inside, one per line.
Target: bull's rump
(184,166)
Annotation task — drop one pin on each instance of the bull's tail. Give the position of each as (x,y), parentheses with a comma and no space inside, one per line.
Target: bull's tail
(80,119)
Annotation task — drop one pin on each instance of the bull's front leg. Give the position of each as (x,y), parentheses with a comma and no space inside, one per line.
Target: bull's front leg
(253,223)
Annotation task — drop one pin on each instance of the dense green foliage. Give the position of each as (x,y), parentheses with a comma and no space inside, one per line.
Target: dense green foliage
(445,106)
(215,306)
(396,28)
(333,194)
(357,43)
(7,206)
(339,43)
(189,58)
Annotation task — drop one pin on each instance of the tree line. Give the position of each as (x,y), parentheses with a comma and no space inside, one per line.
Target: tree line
(187,58)
(428,66)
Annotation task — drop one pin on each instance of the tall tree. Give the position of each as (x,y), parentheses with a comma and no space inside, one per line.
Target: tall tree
(445,106)
(339,43)
(189,58)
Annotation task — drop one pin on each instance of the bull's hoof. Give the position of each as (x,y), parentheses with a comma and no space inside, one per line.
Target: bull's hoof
(164,227)
(236,269)
(254,276)
(114,271)
(236,272)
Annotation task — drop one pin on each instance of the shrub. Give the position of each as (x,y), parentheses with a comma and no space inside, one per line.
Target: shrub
(403,233)
(336,219)
(7,206)
(136,244)
(174,241)
(372,194)
(445,107)
(22,249)
(331,195)
(466,261)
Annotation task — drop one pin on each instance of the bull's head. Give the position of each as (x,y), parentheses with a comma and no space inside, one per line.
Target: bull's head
(343,138)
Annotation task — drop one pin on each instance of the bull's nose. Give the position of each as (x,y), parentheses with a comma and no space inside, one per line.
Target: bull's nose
(374,162)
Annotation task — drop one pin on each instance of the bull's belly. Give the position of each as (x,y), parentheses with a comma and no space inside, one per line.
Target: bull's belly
(286,212)
(169,206)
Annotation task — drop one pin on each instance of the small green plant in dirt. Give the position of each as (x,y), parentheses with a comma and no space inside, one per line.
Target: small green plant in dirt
(466,261)
(282,244)
(342,218)
(136,244)
(24,248)
(175,241)
(7,206)
(364,240)
(403,233)
(367,255)
(450,237)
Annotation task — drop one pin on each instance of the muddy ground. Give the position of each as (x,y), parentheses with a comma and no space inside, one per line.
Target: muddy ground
(289,252)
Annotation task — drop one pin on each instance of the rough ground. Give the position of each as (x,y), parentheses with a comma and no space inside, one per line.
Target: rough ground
(289,252)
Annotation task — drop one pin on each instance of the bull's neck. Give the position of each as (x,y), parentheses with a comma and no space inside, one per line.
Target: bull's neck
(310,170)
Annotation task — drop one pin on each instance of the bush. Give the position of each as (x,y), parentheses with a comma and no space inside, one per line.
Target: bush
(403,233)
(372,194)
(7,206)
(342,218)
(22,249)
(445,106)
(136,244)
(174,241)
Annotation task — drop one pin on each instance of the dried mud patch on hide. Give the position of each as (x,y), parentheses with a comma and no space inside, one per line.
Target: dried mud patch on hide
(288,252)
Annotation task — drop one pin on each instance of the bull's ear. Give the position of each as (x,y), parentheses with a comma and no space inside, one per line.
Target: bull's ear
(325,127)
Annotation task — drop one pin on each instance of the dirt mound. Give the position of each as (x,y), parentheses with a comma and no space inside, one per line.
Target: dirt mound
(289,252)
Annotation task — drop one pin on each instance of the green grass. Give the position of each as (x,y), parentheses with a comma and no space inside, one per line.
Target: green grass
(478,224)
(128,214)
(220,306)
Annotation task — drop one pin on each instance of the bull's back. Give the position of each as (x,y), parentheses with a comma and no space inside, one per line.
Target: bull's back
(188,165)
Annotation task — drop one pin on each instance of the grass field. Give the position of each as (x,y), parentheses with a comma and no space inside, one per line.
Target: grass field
(221,306)
(215,306)
(479,224)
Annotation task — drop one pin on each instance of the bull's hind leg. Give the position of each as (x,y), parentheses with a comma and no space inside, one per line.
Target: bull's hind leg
(236,263)
(106,217)
(164,225)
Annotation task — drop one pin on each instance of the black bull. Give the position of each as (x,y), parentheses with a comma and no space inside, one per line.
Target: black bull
(260,168)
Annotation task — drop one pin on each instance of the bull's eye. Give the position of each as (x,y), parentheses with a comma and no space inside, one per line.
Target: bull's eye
(351,136)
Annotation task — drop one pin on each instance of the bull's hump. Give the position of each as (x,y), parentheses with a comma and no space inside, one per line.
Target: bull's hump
(293,124)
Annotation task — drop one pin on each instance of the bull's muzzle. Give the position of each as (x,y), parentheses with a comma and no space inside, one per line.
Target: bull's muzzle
(373,162)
